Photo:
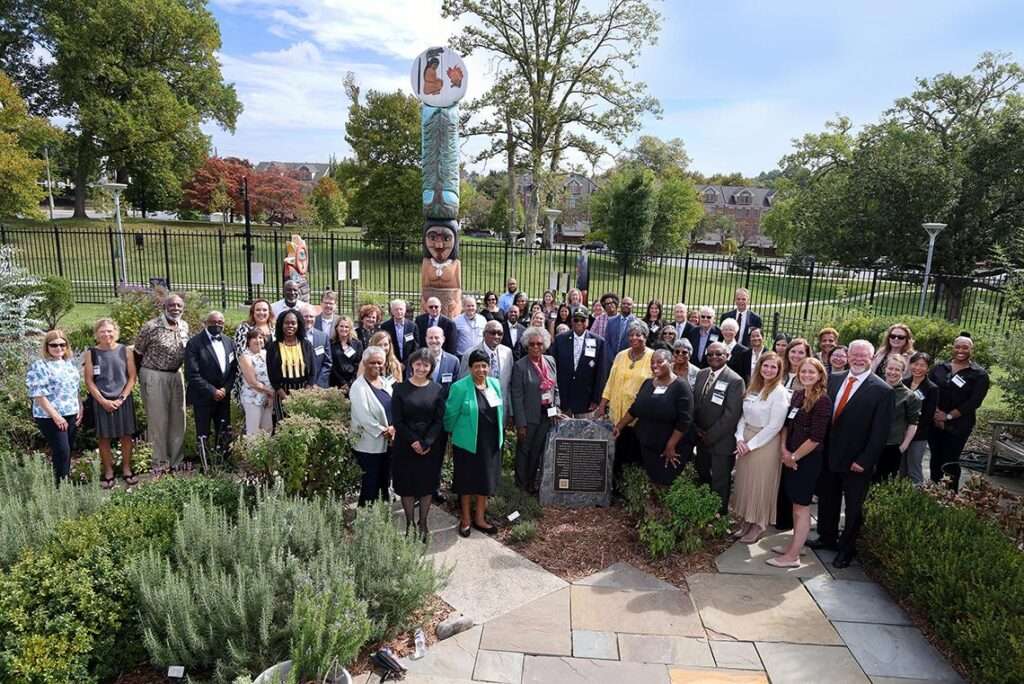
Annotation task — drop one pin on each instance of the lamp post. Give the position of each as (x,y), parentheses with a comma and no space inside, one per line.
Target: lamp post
(116,189)
(933,230)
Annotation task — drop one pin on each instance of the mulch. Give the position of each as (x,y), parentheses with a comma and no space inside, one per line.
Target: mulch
(436,612)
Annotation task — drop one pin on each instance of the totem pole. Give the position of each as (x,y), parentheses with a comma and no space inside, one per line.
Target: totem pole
(439,81)
(296,265)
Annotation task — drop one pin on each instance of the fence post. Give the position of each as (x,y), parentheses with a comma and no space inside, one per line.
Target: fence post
(3,234)
(565,258)
(333,280)
(389,266)
(775,324)
(60,255)
(625,262)
(113,259)
(686,274)
(874,283)
(750,265)
(167,259)
(248,241)
(277,267)
(504,280)
(810,284)
(223,270)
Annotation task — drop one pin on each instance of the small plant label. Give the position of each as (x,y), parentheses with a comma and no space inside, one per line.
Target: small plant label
(176,671)
(514,515)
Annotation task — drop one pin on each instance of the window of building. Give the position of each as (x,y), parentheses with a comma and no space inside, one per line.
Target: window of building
(744,197)
(710,195)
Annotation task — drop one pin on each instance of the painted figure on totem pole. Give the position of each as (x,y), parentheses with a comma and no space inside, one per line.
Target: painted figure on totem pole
(439,81)
(296,265)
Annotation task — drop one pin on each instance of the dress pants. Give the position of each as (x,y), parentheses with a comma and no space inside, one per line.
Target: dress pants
(530,454)
(376,476)
(945,447)
(833,489)
(60,443)
(715,469)
(910,464)
(216,412)
(163,397)
(889,463)
(258,418)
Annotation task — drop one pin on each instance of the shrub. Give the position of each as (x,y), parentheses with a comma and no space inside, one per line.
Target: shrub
(308,455)
(175,492)
(19,430)
(134,307)
(509,498)
(56,299)
(932,335)
(329,626)
(959,570)
(657,537)
(317,402)
(1010,353)
(635,488)
(523,533)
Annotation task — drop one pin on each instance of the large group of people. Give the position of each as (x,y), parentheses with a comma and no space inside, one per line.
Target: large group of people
(768,422)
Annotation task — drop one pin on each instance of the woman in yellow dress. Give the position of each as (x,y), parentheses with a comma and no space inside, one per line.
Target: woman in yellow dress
(631,367)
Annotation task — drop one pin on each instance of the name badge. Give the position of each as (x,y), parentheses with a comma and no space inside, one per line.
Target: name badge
(713,338)
(319,351)
(350,352)
(546,397)
(96,370)
(958,381)
(408,337)
(919,394)
(552,411)
(793,411)
(590,352)
(446,377)
(721,386)
(717,399)
(654,328)
(492,397)
(660,390)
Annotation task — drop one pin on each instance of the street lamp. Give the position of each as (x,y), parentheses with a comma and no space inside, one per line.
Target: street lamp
(933,230)
(116,189)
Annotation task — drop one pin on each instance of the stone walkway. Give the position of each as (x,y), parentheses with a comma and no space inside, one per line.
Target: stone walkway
(749,623)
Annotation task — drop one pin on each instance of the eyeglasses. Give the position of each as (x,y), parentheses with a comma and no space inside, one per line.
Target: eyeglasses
(715,353)
(705,316)
(57,345)
(535,343)
(680,351)
(896,336)
(492,332)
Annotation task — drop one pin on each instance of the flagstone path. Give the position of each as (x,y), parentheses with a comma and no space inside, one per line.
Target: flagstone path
(747,624)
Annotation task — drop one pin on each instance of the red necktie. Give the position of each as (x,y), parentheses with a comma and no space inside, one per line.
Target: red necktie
(845,398)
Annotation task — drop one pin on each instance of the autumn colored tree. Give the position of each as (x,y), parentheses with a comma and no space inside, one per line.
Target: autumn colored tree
(214,180)
(21,136)
(276,198)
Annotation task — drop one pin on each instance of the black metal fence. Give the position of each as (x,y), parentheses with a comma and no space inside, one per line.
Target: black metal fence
(214,261)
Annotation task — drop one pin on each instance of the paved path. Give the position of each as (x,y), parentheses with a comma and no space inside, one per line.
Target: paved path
(749,623)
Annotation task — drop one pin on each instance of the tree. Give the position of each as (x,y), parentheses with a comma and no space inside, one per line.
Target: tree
(677,215)
(384,133)
(19,28)
(276,198)
(21,136)
(157,181)
(950,152)
(210,183)
(497,219)
(328,203)
(661,156)
(722,226)
(626,208)
(133,74)
(562,84)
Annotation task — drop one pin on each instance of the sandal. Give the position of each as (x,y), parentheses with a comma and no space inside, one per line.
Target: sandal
(131,479)
(776,563)
(106,482)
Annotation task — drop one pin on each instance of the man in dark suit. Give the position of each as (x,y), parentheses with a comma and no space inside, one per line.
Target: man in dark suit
(434,317)
(743,316)
(580,358)
(401,331)
(512,332)
(533,409)
(210,369)
(446,366)
(679,321)
(863,405)
(717,408)
(703,336)
(322,361)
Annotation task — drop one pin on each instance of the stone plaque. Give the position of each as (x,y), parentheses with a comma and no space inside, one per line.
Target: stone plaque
(577,468)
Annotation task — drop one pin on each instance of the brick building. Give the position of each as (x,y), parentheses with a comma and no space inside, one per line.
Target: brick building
(746,205)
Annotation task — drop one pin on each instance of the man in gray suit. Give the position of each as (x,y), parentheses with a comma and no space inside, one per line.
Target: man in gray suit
(501,360)
(718,406)
(321,349)
(534,388)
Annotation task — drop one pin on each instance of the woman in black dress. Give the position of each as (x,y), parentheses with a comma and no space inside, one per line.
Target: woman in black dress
(803,440)
(417,406)
(346,353)
(474,415)
(663,410)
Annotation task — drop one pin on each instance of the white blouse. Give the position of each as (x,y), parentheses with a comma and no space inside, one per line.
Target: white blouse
(768,414)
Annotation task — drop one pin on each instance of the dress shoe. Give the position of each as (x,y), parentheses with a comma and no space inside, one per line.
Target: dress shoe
(464,531)
(843,560)
(491,529)
(822,545)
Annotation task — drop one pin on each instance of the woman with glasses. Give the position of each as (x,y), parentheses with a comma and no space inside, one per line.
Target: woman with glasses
(897,341)
(53,382)
(491,312)
(535,405)
(926,391)
(681,366)
(839,359)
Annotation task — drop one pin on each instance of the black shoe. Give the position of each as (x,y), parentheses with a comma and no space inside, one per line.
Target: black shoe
(439,498)
(820,544)
(492,530)
(464,531)
(843,560)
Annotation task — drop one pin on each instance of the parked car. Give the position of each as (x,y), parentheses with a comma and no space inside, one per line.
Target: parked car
(519,239)
(596,246)
(479,233)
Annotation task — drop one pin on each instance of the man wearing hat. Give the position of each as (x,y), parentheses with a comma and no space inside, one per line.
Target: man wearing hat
(581,365)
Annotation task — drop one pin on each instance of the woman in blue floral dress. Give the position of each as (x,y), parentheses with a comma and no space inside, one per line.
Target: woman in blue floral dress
(53,383)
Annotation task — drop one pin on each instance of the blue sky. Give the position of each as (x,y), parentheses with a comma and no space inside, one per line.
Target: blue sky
(737,82)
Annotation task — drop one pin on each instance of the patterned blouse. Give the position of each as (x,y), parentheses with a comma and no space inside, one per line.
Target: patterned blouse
(58,381)
(249,395)
(293,365)
(162,347)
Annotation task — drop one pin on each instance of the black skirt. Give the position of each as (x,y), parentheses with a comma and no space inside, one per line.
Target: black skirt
(478,474)
(799,484)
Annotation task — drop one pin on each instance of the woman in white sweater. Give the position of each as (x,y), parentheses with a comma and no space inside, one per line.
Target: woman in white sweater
(759,449)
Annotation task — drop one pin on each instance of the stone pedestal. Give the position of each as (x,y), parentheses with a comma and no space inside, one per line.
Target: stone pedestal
(578,464)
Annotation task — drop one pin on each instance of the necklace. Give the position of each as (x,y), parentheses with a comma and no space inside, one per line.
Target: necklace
(439,266)
(632,361)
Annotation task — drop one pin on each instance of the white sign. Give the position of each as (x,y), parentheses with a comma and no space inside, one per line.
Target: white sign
(438,77)
(257,273)
(341,271)
(178,671)
(353,270)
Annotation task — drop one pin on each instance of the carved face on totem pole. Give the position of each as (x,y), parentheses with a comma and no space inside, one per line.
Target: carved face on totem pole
(440,241)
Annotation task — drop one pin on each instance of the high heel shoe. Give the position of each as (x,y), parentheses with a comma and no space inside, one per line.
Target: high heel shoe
(464,531)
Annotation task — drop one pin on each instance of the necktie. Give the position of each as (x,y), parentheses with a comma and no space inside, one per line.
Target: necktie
(433,323)
(739,322)
(707,385)
(850,381)
(495,367)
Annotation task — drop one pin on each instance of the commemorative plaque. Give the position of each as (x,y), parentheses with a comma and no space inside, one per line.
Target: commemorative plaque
(578,461)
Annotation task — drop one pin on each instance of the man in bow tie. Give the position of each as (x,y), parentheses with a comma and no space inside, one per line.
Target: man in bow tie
(210,368)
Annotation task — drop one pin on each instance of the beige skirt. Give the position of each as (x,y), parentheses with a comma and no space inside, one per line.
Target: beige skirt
(757,481)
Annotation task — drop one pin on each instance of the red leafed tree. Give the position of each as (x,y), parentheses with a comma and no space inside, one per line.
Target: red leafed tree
(217,176)
(278,198)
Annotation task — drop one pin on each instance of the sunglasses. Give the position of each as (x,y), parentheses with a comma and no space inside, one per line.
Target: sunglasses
(715,353)
(57,345)
(895,336)
(680,351)
(492,332)
(703,316)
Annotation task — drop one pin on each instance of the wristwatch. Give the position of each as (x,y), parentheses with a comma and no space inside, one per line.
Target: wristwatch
(949,416)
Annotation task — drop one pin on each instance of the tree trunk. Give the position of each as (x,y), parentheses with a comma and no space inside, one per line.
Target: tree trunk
(83,164)
(510,147)
(955,288)
(533,205)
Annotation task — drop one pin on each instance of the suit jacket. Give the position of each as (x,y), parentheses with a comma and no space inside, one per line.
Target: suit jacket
(718,421)
(615,336)
(860,432)
(752,321)
(506,338)
(525,389)
(447,325)
(739,361)
(325,326)
(368,418)
(407,345)
(447,367)
(505,363)
(202,370)
(581,385)
(686,327)
(274,363)
(697,357)
(461,413)
(322,360)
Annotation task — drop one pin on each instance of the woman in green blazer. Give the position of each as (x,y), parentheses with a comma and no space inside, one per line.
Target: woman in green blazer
(474,415)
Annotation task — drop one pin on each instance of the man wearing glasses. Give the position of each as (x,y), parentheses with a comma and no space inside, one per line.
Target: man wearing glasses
(580,358)
(434,318)
(704,335)
(501,360)
(718,406)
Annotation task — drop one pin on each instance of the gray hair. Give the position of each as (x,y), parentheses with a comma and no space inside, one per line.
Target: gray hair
(534,331)
(493,325)
(468,298)
(636,325)
(862,343)
(709,310)
(374,350)
(662,354)
(731,324)
(682,343)
(395,302)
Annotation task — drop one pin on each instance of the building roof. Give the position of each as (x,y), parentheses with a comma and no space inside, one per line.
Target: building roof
(316,169)
(760,197)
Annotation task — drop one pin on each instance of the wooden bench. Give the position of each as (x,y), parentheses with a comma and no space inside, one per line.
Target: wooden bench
(1007,450)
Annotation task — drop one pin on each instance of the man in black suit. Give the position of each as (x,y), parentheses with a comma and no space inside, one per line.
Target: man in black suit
(401,331)
(717,408)
(703,336)
(512,332)
(210,368)
(743,316)
(679,321)
(863,405)
(434,318)
(580,360)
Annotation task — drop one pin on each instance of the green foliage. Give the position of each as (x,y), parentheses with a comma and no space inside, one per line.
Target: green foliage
(635,488)
(221,492)
(954,568)
(133,308)
(329,204)
(663,157)
(679,210)
(309,456)
(497,220)
(316,402)
(389,206)
(509,498)
(657,537)
(523,533)
(21,135)
(1010,354)
(626,207)
(329,626)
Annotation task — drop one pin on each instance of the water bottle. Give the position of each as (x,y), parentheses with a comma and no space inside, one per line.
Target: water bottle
(421,645)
